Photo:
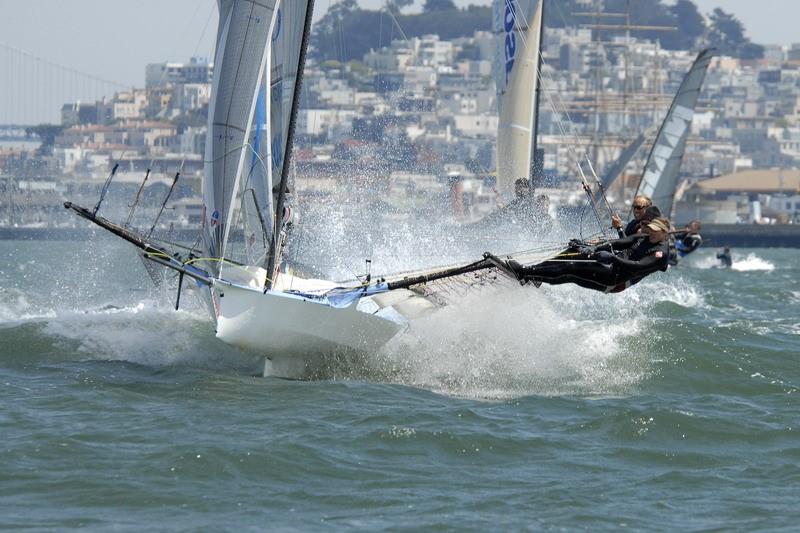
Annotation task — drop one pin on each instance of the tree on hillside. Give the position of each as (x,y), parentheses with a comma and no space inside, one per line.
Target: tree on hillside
(395,6)
(47,133)
(684,16)
(438,5)
(691,24)
(338,11)
(326,42)
(347,32)
(726,34)
(751,51)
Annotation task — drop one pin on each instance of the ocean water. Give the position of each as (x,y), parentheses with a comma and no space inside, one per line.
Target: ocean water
(671,406)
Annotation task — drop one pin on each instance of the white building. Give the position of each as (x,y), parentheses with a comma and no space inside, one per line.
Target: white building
(197,70)
(476,125)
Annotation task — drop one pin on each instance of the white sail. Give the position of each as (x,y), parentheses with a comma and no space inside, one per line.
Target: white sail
(239,68)
(287,43)
(662,171)
(517,28)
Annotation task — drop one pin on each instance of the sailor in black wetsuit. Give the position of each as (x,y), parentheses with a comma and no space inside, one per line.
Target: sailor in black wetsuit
(725,259)
(611,267)
(640,206)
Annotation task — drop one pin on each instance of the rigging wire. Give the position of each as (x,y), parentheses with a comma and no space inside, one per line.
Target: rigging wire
(519,24)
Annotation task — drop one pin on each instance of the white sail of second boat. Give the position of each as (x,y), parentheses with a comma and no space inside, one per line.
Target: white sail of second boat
(517,28)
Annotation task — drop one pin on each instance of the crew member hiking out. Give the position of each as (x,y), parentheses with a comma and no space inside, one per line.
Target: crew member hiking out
(640,205)
(609,267)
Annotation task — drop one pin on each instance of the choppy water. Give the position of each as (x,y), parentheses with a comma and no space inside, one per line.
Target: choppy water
(671,406)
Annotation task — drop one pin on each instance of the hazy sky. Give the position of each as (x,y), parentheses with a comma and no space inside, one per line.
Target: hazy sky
(115,39)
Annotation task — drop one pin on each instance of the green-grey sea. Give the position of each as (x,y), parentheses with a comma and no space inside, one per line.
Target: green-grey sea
(671,406)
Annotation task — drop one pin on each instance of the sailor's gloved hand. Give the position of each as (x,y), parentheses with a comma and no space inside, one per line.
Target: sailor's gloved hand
(603,256)
(586,250)
(576,243)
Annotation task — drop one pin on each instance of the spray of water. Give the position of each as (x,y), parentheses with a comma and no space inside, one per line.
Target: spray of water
(750,262)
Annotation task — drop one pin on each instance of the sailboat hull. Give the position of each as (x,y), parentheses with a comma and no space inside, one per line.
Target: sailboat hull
(291,331)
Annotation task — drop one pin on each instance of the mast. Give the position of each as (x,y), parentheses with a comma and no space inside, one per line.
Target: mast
(537,165)
(276,234)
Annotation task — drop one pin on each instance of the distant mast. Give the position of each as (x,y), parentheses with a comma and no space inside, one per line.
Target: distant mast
(517,27)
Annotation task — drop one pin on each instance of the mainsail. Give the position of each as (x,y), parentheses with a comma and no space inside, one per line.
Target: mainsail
(239,66)
(662,171)
(255,76)
(517,26)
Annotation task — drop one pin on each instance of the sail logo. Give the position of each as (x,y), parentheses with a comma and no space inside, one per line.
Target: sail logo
(510,41)
(214,218)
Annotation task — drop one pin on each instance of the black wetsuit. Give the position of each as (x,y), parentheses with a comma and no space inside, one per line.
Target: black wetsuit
(725,259)
(687,242)
(631,229)
(634,258)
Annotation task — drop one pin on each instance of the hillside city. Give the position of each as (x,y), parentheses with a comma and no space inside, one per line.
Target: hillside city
(414,123)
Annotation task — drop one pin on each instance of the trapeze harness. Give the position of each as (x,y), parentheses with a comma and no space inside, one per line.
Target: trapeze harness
(629,261)
(682,244)
(687,243)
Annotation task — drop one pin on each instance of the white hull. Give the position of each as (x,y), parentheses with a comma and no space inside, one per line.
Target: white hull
(291,331)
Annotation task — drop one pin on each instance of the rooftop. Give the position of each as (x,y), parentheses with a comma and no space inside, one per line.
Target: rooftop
(765,181)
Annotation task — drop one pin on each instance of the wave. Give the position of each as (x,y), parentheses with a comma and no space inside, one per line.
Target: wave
(146,333)
(16,307)
(751,262)
(551,341)
(507,343)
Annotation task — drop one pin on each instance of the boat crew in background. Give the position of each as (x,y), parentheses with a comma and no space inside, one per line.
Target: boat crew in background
(688,240)
(725,259)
